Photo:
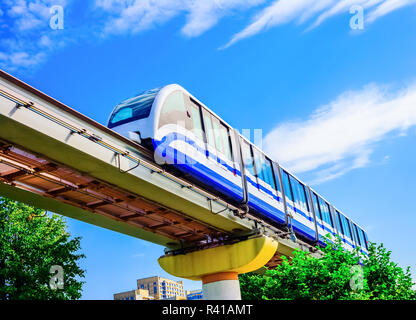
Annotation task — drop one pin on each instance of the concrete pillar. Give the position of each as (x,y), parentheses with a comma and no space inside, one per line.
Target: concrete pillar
(219,267)
(221,286)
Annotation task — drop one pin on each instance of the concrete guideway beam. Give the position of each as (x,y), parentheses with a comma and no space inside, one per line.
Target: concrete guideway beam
(219,267)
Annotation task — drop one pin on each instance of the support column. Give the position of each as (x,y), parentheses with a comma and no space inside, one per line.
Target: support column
(221,286)
(219,267)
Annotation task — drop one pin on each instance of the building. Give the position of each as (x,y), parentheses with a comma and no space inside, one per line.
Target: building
(162,288)
(194,295)
(158,288)
(138,294)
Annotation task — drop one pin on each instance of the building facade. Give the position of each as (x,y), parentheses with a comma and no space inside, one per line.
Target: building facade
(138,294)
(194,295)
(162,288)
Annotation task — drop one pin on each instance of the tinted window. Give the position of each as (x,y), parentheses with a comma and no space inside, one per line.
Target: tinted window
(341,229)
(196,122)
(247,156)
(363,239)
(226,142)
(258,163)
(286,185)
(174,110)
(299,194)
(135,108)
(325,212)
(208,128)
(316,206)
(264,169)
(268,174)
(357,237)
(218,141)
(345,226)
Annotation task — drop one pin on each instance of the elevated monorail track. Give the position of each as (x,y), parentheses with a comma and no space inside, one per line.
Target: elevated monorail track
(55,158)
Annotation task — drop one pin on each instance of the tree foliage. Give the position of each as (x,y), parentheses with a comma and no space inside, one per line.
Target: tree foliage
(31,242)
(337,275)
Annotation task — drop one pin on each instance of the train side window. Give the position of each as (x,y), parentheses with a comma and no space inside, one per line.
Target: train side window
(173,110)
(365,239)
(217,134)
(326,213)
(226,141)
(341,228)
(286,185)
(247,157)
(258,163)
(349,228)
(208,128)
(299,194)
(268,173)
(316,206)
(196,121)
(264,168)
(357,236)
(345,226)
(276,175)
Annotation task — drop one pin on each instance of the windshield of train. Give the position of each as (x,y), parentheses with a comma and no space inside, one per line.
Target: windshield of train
(135,108)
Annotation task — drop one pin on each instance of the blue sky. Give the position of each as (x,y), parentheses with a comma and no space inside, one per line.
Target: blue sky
(336,105)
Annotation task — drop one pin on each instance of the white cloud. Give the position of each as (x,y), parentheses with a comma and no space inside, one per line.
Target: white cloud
(202,15)
(27,38)
(285,11)
(387,7)
(132,16)
(342,135)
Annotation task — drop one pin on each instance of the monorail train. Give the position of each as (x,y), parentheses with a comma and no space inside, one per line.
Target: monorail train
(191,139)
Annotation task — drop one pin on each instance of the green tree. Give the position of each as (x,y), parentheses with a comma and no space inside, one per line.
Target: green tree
(337,275)
(386,280)
(31,242)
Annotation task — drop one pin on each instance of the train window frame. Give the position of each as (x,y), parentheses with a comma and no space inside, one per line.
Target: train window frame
(357,235)
(338,214)
(257,159)
(195,111)
(226,138)
(346,227)
(245,146)
(317,208)
(264,169)
(364,237)
(208,129)
(298,188)
(286,175)
(326,214)
(269,168)
(218,140)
